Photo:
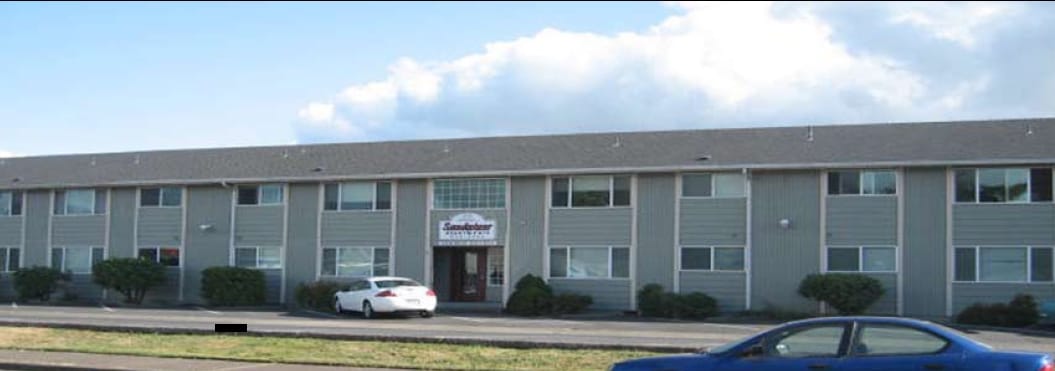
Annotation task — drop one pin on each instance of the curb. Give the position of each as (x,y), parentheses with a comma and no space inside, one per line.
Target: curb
(49,367)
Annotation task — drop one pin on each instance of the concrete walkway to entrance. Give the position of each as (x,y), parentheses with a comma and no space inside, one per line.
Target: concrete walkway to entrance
(33,360)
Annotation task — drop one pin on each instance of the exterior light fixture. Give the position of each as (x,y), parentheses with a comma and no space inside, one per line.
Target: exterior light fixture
(206,227)
(785,223)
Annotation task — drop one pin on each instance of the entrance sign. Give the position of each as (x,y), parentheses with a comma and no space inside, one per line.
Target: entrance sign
(467,229)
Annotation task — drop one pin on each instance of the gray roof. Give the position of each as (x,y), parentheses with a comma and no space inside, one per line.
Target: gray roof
(943,143)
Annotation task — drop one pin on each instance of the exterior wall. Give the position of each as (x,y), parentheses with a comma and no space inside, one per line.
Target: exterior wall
(259,225)
(861,220)
(729,288)
(411,215)
(122,222)
(160,226)
(887,304)
(37,214)
(781,258)
(11,230)
(713,222)
(655,230)
(967,293)
(302,254)
(356,228)
(527,213)
(590,226)
(1003,224)
(273,285)
(78,230)
(206,205)
(607,294)
(923,256)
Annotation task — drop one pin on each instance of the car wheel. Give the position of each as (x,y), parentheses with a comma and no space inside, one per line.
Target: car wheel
(337,306)
(427,314)
(368,310)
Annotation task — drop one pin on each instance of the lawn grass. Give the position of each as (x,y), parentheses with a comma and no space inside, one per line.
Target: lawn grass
(311,351)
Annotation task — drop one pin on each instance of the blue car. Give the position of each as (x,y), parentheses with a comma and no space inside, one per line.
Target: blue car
(849,344)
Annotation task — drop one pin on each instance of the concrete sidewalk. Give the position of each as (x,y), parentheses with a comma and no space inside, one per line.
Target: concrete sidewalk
(34,360)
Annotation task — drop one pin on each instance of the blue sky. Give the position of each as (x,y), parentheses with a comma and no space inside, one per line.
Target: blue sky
(102,77)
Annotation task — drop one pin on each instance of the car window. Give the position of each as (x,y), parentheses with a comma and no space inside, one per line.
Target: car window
(360,285)
(814,341)
(878,340)
(387,284)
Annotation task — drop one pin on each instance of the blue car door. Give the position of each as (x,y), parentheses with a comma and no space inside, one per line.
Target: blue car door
(881,347)
(802,348)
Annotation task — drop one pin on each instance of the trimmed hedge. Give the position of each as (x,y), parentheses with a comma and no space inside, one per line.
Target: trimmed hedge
(533,297)
(317,295)
(847,293)
(233,286)
(653,301)
(37,282)
(131,277)
(1022,311)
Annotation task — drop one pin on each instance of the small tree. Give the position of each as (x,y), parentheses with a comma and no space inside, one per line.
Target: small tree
(36,282)
(233,286)
(849,294)
(317,295)
(531,297)
(130,276)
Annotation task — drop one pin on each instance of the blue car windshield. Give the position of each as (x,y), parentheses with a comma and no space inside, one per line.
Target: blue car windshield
(729,346)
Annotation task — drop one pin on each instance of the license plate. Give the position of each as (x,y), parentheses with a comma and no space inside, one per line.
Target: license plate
(413,301)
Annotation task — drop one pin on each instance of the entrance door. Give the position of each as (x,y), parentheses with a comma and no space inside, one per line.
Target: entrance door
(469,275)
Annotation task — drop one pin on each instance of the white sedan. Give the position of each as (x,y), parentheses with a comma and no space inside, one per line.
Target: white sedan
(386,295)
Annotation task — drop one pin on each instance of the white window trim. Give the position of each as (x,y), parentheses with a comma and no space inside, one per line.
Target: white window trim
(861,183)
(714,187)
(157,253)
(373,197)
(432,194)
(91,254)
(260,195)
(161,198)
(861,258)
(489,266)
(567,263)
(978,188)
(743,251)
(978,264)
(66,204)
(337,260)
(256,251)
(11,205)
(7,258)
(611,193)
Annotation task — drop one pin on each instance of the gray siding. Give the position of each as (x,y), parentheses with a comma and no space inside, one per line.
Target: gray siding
(1026,224)
(924,253)
(81,230)
(160,226)
(729,288)
(655,230)
(710,222)
(965,294)
(526,240)
(494,294)
(782,258)
(37,216)
(301,248)
(499,216)
(122,220)
(258,225)
(209,248)
(10,230)
(273,283)
(80,288)
(354,228)
(166,294)
(584,227)
(410,245)
(887,304)
(861,220)
(606,294)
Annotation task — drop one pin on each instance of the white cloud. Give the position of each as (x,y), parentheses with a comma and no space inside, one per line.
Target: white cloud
(708,65)
(8,154)
(317,112)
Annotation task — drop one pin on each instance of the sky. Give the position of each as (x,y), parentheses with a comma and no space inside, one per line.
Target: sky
(113,77)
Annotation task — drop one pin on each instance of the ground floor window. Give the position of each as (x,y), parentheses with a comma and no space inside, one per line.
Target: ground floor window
(712,258)
(1003,264)
(167,256)
(76,259)
(259,257)
(10,259)
(355,261)
(495,267)
(862,259)
(590,262)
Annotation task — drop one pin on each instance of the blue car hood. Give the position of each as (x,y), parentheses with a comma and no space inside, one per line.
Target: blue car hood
(699,362)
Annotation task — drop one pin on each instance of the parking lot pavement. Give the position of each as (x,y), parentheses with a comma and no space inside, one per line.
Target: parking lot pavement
(614,331)
(33,360)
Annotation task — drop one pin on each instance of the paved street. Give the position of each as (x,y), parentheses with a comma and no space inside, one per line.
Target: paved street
(613,331)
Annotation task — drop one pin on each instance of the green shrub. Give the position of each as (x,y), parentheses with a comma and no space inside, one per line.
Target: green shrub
(37,282)
(652,301)
(129,276)
(695,305)
(1020,312)
(533,297)
(848,294)
(233,286)
(569,303)
(317,295)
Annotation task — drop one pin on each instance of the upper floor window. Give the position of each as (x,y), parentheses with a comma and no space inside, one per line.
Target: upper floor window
(161,197)
(80,202)
(591,191)
(10,203)
(995,185)
(358,196)
(713,185)
(863,182)
(469,194)
(266,194)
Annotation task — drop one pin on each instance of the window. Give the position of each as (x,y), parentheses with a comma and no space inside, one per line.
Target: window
(885,340)
(167,256)
(267,194)
(862,259)
(469,194)
(358,196)
(80,202)
(161,197)
(258,257)
(712,258)
(591,191)
(590,262)
(10,203)
(1003,264)
(355,261)
(817,341)
(867,182)
(10,259)
(76,259)
(727,185)
(495,267)
(1003,185)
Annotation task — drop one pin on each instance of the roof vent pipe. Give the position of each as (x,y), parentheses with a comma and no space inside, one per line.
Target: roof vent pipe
(136,160)
(809,133)
(618,143)
(1029,129)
